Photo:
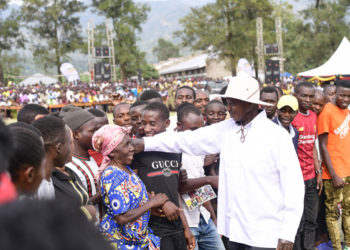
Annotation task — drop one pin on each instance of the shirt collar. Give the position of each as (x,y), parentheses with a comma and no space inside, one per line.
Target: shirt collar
(291,129)
(260,116)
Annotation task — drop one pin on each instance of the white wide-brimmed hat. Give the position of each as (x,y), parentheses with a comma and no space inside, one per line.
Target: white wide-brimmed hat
(245,88)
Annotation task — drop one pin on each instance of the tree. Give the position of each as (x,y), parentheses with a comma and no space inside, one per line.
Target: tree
(55,27)
(10,38)
(127,18)
(309,41)
(226,28)
(165,49)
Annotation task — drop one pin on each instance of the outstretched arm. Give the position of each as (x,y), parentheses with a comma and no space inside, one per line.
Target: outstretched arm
(202,141)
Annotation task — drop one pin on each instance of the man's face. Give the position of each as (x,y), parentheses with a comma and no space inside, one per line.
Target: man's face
(318,104)
(238,109)
(135,115)
(342,97)
(330,93)
(286,115)
(152,123)
(215,113)
(201,101)
(183,95)
(190,122)
(272,99)
(121,115)
(305,98)
(83,136)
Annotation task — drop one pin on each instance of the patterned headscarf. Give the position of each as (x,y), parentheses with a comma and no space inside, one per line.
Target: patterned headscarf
(105,140)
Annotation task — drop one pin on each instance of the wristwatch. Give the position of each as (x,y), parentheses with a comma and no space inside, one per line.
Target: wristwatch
(318,171)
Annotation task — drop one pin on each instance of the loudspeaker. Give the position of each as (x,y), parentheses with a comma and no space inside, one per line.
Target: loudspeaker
(98,75)
(98,51)
(271,48)
(105,51)
(106,71)
(269,71)
(276,71)
(268,49)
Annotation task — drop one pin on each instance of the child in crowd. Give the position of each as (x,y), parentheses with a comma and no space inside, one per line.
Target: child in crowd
(135,115)
(200,223)
(160,173)
(215,112)
(121,114)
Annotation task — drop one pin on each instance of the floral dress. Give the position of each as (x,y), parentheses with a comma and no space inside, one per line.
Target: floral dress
(122,191)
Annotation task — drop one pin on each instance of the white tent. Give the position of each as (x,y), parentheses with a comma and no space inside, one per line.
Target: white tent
(37,78)
(338,63)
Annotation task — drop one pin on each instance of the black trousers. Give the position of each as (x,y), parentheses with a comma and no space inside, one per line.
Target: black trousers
(175,241)
(306,235)
(239,246)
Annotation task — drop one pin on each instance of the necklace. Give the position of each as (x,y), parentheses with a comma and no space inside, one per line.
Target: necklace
(244,132)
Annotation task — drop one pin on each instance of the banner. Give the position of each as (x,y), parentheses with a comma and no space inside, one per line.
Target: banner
(69,72)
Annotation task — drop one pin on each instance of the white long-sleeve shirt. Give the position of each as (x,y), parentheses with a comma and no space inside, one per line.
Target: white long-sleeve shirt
(261,187)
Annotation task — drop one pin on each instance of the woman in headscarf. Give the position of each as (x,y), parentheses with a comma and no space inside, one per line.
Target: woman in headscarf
(124,196)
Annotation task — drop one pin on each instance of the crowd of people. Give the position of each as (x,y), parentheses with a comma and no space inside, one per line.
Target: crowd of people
(14,94)
(276,160)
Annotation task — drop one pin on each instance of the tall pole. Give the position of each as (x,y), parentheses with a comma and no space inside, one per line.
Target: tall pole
(91,50)
(260,48)
(278,25)
(109,31)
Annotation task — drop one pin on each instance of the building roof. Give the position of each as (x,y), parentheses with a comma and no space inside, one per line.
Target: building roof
(195,62)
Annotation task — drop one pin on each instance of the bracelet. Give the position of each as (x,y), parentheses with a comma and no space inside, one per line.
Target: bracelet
(318,171)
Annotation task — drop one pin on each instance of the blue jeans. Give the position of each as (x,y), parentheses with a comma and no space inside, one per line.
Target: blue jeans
(207,236)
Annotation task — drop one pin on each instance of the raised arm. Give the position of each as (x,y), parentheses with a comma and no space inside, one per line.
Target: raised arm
(203,141)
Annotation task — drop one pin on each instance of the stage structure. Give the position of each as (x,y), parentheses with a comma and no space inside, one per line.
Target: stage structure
(269,70)
(101,60)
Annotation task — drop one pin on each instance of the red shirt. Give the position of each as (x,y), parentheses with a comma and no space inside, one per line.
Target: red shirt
(98,157)
(306,126)
(7,189)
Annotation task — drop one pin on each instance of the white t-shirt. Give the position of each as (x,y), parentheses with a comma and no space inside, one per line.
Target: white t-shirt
(194,167)
(46,190)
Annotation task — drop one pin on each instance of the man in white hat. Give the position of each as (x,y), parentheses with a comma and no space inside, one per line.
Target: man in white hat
(261,188)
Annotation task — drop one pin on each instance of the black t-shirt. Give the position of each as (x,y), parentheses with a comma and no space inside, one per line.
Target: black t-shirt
(159,172)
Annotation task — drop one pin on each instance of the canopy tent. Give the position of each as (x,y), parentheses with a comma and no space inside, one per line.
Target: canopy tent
(38,78)
(337,64)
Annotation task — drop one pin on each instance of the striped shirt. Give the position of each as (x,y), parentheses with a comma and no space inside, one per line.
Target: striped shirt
(87,170)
